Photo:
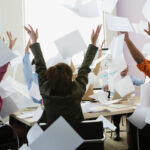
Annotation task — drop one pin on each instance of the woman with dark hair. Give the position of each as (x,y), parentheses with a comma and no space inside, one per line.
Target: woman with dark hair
(61,95)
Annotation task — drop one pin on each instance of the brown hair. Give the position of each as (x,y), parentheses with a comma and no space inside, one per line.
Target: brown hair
(60,78)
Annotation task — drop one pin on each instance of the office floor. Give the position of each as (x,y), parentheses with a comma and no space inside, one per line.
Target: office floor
(110,144)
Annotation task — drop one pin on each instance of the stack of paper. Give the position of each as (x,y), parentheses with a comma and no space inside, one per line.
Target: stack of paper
(59,136)
(6,54)
(116,23)
(70,44)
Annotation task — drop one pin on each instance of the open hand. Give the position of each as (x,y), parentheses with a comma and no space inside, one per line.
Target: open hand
(95,35)
(11,40)
(148,31)
(33,34)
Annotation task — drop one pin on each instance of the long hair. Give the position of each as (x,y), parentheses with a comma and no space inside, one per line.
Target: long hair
(60,78)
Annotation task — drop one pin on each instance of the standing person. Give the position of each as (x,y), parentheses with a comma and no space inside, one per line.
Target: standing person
(61,95)
(29,75)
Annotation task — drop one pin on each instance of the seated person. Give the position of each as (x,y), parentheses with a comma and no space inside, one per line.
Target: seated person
(142,63)
(29,75)
(61,95)
(116,118)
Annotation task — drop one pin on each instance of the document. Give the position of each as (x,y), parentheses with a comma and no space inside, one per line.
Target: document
(70,44)
(116,23)
(17,60)
(124,86)
(6,54)
(147,120)
(146,49)
(145,95)
(37,114)
(86,107)
(34,133)
(85,8)
(106,123)
(59,136)
(35,91)
(146,10)
(109,5)
(138,117)
(118,60)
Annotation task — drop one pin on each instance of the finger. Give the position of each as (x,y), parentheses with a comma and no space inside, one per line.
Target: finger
(146,31)
(93,32)
(98,29)
(27,29)
(149,25)
(102,44)
(37,33)
(31,28)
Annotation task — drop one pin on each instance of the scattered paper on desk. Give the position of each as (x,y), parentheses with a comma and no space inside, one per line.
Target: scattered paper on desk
(70,44)
(116,23)
(118,60)
(138,117)
(35,91)
(106,123)
(109,5)
(86,9)
(37,114)
(24,147)
(59,136)
(34,133)
(6,54)
(146,49)
(145,95)
(17,60)
(124,86)
(146,10)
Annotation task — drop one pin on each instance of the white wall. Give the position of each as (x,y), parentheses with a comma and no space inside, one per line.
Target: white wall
(11,19)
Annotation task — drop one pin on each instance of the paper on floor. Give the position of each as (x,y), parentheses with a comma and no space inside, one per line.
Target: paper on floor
(59,136)
(109,5)
(34,133)
(6,55)
(138,117)
(70,44)
(116,23)
(106,123)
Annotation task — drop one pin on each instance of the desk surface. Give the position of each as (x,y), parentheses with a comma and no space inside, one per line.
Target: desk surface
(107,111)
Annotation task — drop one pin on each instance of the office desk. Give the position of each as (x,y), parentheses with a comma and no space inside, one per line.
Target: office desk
(112,111)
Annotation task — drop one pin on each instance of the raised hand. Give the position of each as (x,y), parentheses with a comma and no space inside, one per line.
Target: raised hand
(95,35)
(27,47)
(33,34)
(148,31)
(12,40)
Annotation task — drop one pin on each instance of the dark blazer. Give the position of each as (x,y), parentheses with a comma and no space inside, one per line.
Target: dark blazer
(67,106)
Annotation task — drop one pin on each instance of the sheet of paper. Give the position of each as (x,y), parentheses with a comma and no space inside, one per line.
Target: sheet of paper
(9,107)
(138,117)
(116,23)
(145,95)
(86,107)
(106,123)
(34,133)
(147,119)
(26,115)
(17,60)
(85,9)
(116,47)
(109,5)
(146,49)
(146,10)
(35,91)
(67,138)
(6,54)
(70,44)
(124,86)
(37,114)
(24,147)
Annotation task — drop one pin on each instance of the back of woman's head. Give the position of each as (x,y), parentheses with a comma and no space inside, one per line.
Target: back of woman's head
(60,78)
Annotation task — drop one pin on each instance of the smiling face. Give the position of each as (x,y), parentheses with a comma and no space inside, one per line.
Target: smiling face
(124,72)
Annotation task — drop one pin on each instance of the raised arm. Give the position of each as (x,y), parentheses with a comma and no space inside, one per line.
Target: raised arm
(82,77)
(38,56)
(136,54)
